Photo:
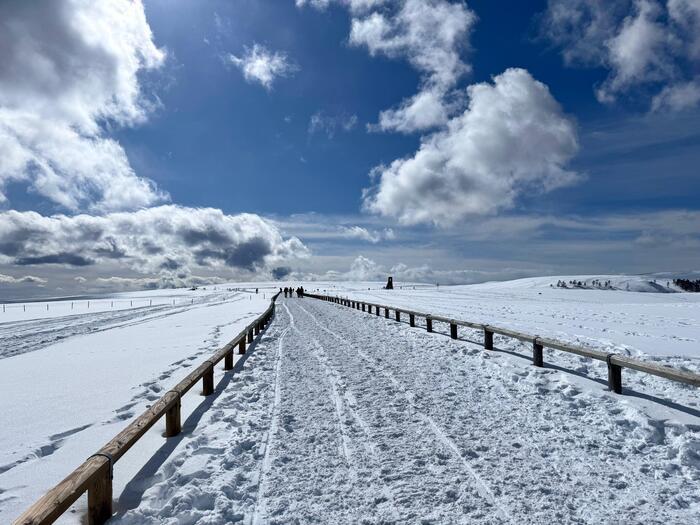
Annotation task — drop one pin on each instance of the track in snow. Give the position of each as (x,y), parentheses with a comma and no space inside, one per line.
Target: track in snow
(341,417)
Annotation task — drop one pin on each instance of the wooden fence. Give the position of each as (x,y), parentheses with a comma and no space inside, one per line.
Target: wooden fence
(615,362)
(94,476)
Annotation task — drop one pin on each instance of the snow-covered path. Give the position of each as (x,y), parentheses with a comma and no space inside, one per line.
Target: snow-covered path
(342,417)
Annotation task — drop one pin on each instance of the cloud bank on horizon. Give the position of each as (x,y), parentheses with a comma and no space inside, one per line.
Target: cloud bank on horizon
(77,78)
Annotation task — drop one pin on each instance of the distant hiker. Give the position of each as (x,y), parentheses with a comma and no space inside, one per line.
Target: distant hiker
(256,290)
(301,291)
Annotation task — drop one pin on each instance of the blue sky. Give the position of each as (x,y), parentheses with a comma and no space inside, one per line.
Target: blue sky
(561,136)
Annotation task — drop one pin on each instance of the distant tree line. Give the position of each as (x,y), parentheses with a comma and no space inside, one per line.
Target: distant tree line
(688,285)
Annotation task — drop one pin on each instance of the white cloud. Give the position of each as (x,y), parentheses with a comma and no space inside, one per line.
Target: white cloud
(425,110)
(353,5)
(166,240)
(364,268)
(361,233)
(261,65)
(320,122)
(430,34)
(68,68)
(678,97)
(512,139)
(648,46)
(26,279)
(152,283)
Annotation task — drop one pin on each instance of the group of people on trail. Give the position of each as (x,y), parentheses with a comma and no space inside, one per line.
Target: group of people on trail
(289,292)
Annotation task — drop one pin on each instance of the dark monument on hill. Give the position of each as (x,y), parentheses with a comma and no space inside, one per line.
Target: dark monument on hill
(389,284)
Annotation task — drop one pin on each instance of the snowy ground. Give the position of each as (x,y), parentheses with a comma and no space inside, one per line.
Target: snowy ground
(342,417)
(72,379)
(655,326)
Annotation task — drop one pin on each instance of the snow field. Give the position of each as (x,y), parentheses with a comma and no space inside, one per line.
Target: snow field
(345,417)
(658,327)
(72,383)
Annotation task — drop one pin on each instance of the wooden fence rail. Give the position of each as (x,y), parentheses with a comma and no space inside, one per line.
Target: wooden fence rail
(94,476)
(615,362)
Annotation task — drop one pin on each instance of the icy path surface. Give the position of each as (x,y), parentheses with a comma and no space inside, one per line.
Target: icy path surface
(342,417)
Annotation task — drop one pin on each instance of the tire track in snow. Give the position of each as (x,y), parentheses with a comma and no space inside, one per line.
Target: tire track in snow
(480,485)
(259,510)
(344,409)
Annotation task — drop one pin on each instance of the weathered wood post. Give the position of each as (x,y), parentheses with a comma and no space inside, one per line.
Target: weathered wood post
(488,339)
(412,319)
(257,328)
(398,315)
(241,346)
(173,425)
(250,335)
(208,381)
(614,375)
(386,313)
(228,360)
(537,357)
(378,310)
(453,331)
(100,495)
(428,323)
(363,306)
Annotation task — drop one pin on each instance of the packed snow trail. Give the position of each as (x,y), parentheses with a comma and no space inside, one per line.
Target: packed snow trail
(343,417)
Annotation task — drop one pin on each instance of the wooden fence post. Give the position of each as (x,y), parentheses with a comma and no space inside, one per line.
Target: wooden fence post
(173,424)
(228,360)
(241,346)
(453,331)
(614,375)
(378,313)
(208,382)
(100,496)
(386,313)
(428,324)
(412,319)
(537,357)
(488,339)
(257,328)
(250,335)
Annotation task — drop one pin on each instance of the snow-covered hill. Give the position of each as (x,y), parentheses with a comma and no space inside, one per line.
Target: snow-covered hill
(380,399)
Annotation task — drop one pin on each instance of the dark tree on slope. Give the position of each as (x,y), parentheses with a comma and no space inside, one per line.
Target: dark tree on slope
(688,285)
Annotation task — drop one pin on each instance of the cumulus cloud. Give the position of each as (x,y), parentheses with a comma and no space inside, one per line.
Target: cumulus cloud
(353,5)
(364,268)
(361,233)
(166,240)
(512,138)
(647,45)
(154,283)
(68,69)
(8,279)
(322,123)
(430,34)
(263,66)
